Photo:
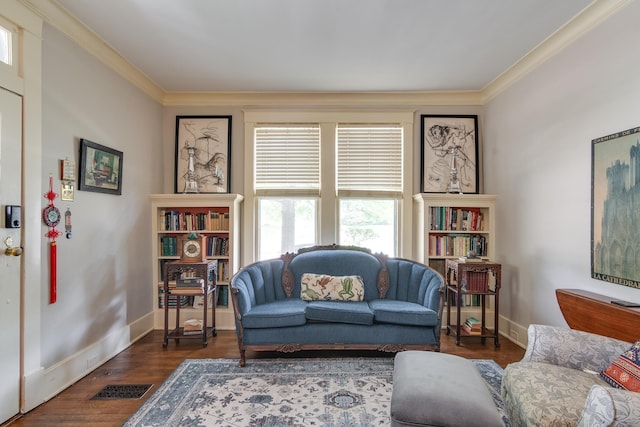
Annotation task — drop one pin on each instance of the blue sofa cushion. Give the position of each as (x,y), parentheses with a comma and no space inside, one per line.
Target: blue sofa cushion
(402,313)
(340,312)
(287,312)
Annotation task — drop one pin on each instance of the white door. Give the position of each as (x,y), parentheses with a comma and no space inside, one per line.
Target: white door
(10,194)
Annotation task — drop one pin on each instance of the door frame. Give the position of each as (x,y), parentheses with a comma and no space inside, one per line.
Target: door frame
(26,81)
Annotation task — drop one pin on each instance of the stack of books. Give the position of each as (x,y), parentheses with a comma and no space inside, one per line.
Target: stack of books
(472,326)
(192,327)
(470,259)
(189,286)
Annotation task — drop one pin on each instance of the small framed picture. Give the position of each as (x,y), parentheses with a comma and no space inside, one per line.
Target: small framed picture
(203,154)
(449,153)
(100,168)
(66,191)
(68,170)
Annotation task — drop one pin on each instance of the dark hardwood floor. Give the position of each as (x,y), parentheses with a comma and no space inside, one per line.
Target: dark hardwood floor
(146,362)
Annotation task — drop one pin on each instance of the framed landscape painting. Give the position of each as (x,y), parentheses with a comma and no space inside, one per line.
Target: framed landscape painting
(449,143)
(100,168)
(615,208)
(203,154)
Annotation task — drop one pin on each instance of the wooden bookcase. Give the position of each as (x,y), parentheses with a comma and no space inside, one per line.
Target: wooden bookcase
(446,224)
(216,216)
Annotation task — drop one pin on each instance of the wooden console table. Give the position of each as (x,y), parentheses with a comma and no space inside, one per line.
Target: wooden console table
(464,278)
(205,270)
(591,312)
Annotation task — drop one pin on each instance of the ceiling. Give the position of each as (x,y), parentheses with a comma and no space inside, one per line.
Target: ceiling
(323,45)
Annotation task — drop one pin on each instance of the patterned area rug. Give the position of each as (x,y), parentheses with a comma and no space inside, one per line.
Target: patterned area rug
(281,392)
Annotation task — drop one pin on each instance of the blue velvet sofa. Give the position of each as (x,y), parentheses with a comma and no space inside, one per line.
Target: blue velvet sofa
(283,304)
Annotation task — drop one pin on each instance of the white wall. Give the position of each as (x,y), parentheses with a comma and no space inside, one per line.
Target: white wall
(103,270)
(537,159)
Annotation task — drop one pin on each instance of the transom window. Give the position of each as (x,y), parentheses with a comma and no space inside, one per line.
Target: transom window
(5,46)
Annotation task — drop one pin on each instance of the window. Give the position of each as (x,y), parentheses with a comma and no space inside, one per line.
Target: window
(287,164)
(369,164)
(369,223)
(5,46)
(326,177)
(286,224)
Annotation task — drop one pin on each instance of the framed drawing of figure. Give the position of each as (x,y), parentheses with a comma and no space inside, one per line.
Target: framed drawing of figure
(449,154)
(203,154)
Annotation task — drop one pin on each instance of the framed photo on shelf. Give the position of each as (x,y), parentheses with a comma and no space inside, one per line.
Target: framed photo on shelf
(615,208)
(449,151)
(100,168)
(203,154)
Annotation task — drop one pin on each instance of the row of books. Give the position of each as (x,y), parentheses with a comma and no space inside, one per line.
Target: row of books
(174,220)
(448,218)
(472,326)
(475,281)
(183,300)
(216,246)
(457,245)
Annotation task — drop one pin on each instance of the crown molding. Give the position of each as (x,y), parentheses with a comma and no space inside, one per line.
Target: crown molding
(54,14)
(592,16)
(245,99)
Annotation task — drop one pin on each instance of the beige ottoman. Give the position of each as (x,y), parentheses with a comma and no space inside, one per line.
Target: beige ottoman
(443,390)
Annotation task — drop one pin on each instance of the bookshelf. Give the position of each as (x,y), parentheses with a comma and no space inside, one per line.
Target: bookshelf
(215,216)
(449,225)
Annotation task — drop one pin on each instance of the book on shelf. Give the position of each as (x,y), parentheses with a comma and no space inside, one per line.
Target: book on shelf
(192,327)
(190,282)
(470,259)
(188,291)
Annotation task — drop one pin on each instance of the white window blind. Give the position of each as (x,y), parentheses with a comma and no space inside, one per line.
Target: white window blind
(369,157)
(287,157)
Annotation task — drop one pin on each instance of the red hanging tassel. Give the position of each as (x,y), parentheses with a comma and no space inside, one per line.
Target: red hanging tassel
(53,261)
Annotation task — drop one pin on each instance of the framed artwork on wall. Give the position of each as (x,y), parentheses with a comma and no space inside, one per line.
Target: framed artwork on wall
(615,208)
(203,154)
(449,151)
(100,168)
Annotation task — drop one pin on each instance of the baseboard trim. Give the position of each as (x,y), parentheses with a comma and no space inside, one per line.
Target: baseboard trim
(43,384)
(512,331)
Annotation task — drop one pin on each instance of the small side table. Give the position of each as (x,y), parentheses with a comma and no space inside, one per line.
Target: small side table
(472,278)
(205,270)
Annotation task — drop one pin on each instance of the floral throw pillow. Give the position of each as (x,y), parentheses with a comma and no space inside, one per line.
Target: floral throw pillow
(322,287)
(624,372)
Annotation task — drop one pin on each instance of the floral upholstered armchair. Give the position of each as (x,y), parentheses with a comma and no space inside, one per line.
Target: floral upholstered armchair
(573,378)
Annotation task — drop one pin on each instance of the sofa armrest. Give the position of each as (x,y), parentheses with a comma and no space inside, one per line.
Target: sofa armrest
(572,348)
(608,406)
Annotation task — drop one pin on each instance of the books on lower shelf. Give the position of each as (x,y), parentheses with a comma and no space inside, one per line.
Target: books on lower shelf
(192,327)
(472,326)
